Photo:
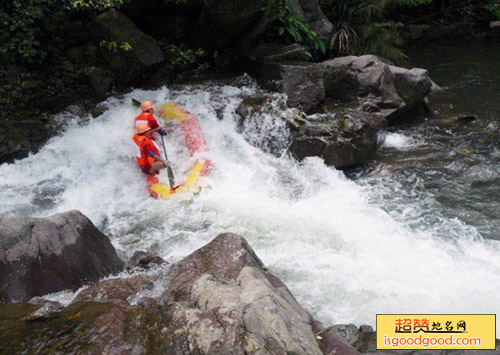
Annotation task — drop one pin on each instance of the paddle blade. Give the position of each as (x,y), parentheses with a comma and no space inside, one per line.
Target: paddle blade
(171,179)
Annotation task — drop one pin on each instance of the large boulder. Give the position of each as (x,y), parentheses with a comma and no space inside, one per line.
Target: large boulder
(310,12)
(343,140)
(18,138)
(222,21)
(218,300)
(374,83)
(45,255)
(302,82)
(113,29)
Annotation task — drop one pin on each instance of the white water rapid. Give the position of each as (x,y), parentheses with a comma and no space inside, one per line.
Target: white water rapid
(346,250)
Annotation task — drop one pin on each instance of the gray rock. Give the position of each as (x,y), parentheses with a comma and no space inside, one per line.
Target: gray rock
(371,81)
(302,82)
(128,65)
(347,331)
(44,255)
(348,140)
(367,75)
(411,85)
(144,260)
(365,329)
(218,300)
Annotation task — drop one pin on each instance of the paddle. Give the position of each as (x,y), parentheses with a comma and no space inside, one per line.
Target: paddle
(171,179)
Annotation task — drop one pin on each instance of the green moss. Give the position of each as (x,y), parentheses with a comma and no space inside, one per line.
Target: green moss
(63,331)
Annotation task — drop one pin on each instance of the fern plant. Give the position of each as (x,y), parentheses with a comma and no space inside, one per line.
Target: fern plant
(357,28)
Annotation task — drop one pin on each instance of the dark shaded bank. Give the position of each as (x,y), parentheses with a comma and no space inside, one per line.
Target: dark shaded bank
(153,43)
(143,44)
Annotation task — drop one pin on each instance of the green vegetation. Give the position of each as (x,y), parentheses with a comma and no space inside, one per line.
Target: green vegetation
(99,5)
(44,43)
(183,56)
(364,26)
(29,30)
(288,24)
(358,29)
(114,46)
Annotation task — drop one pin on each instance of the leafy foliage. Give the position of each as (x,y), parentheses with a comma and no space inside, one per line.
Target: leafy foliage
(359,24)
(494,7)
(29,29)
(357,28)
(288,24)
(99,5)
(183,56)
(114,46)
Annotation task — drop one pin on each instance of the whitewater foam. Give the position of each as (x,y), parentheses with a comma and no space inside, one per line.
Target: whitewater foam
(346,251)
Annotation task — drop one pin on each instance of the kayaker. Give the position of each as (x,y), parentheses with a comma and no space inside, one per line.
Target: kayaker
(148,154)
(148,118)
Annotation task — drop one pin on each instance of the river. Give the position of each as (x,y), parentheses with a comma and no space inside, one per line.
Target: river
(414,232)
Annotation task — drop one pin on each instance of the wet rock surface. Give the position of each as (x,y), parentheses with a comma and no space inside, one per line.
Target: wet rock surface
(44,255)
(345,139)
(220,299)
(369,80)
(302,82)
(18,138)
(144,260)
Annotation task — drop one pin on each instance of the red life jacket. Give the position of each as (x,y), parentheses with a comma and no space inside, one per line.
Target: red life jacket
(146,118)
(145,144)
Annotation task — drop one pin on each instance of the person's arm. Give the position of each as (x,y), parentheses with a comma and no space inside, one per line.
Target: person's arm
(156,157)
(159,158)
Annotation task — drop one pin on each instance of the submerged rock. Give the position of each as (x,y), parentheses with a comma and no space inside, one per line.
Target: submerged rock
(467,118)
(45,255)
(218,300)
(144,260)
(19,137)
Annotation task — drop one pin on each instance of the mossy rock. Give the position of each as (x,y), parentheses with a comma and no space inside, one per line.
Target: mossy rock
(68,329)
(113,27)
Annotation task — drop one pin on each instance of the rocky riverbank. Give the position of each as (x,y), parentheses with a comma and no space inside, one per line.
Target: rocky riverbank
(150,44)
(219,299)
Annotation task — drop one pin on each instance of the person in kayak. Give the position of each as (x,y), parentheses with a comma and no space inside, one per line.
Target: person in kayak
(148,118)
(148,154)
